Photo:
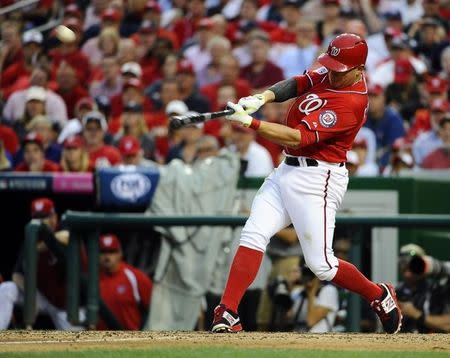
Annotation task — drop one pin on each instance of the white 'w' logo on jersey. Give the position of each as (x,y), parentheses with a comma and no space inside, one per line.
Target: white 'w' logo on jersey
(311,103)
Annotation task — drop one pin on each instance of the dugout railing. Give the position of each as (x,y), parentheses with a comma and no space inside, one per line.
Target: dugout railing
(88,226)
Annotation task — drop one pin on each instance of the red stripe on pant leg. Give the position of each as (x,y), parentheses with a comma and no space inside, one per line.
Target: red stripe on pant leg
(325,219)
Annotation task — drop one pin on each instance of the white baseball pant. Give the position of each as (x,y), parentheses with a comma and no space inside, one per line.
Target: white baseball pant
(10,294)
(307,197)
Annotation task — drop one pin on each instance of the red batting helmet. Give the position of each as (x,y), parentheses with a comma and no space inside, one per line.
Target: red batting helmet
(345,52)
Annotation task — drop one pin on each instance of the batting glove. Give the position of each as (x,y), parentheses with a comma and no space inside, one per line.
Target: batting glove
(252,103)
(239,114)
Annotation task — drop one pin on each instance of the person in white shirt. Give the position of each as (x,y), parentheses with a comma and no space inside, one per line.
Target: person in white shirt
(255,159)
(315,304)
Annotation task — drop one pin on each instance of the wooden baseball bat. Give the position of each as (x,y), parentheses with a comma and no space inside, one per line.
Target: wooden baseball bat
(183,120)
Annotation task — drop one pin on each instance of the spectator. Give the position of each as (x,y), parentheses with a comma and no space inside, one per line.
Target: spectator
(400,48)
(187,26)
(55,107)
(366,167)
(422,299)
(124,289)
(229,70)
(329,26)
(207,146)
(43,127)
(152,13)
(295,58)
(132,91)
(255,159)
(445,64)
(132,153)
(93,13)
(94,128)
(432,40)
(270,11)
(217,47)
(9,139)
(74,158)
(198,52)
(286,32)
(384,122)
(315,306)
(32,46)
(133,124)
(34,156)
(111,83)
(131,70)
(261,72)
(69,85)
(73,126)
(34,106)
(109,16)
(11,49)
(5,158)
(401,158)
(430,140)
(68,51)
(440,158)
(105,45)
(188,89)
(51,278)
(169,71)
(186,148)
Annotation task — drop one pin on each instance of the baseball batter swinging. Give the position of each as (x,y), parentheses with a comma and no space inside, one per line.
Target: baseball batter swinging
(307,188)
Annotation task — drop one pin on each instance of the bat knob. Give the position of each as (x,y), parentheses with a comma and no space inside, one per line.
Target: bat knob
(175,123)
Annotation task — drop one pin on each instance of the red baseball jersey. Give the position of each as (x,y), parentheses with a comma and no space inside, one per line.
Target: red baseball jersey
(125,293)
(328,118)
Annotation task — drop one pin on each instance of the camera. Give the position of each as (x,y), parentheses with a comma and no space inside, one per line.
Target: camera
(429,266)
(280,293)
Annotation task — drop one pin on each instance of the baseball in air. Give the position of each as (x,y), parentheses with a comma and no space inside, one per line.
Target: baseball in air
(64,34)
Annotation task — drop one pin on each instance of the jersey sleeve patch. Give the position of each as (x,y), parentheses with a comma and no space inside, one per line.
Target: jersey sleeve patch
(321,70)
(328,118)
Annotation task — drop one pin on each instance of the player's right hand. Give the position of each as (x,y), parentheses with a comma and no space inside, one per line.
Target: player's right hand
(252,103)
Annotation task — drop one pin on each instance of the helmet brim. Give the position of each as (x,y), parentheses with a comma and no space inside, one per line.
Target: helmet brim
(333,65)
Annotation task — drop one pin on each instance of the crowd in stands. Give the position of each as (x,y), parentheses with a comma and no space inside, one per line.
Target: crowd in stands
(107,94)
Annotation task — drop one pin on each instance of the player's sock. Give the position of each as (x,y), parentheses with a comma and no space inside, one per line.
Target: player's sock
(243,271)
(349,277)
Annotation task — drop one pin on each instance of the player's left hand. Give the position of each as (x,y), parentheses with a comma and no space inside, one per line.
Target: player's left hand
(239,114)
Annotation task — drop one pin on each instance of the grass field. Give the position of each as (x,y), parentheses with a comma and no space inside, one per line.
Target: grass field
(92,344)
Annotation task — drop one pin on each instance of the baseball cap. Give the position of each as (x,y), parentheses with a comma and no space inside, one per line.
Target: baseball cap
(331,2)
(111,14)
(403,71)
(72,10)
(184,66)
(393,15)
(36,93)
(153,5)
(85,103)
(109,243)
(440,105)
(147,27)
(129,145)
(133,82)
(176,107)
(73,141)
(97,117)
(205,23)
(132,68)
(436,85)
(32,36)
(42,208)
(134,107)
(375,89)
(33,137)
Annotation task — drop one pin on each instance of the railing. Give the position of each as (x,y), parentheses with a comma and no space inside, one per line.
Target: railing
(89,225)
